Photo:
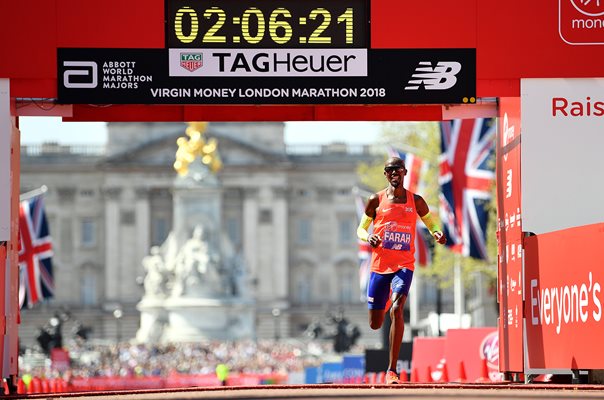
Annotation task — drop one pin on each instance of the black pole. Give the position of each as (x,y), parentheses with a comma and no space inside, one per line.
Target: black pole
(439,306)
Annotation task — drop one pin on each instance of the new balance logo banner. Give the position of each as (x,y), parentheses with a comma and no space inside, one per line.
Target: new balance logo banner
(442,77)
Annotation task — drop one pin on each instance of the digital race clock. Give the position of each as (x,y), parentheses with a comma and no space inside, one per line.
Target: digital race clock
(267,24)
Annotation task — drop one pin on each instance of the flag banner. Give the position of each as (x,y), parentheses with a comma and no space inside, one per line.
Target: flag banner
(277,75)
(416,166)
(466,174)
(36,281)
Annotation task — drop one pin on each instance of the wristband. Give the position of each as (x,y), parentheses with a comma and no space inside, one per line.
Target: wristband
(430,223)
(362,232)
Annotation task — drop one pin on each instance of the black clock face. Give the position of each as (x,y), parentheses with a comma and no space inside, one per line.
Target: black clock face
(267,24)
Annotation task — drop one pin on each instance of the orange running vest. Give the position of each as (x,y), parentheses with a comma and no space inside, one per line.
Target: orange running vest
(395,224)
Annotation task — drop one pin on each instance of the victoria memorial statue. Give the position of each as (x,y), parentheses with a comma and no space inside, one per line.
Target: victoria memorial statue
(195,283)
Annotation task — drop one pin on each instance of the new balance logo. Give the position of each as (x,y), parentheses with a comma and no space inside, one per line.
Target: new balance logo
(441,77)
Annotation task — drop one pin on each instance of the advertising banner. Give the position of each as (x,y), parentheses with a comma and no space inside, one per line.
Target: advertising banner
(5,146)
(562,144)
(377,360)
(311,375)
(428,353)
(353,366)
(332,372)
(563,305)
(509,233)
(472,347)
(580,21)
(266,76)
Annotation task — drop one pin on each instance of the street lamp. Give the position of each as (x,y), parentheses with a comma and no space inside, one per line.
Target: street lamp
(118,314)
(276,313)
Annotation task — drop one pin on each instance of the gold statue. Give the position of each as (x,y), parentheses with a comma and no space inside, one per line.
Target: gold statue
(196,145)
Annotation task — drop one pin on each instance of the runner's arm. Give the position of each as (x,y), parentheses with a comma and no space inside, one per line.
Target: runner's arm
(424,213)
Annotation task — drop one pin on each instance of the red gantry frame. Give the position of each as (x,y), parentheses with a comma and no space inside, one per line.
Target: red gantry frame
(513,40)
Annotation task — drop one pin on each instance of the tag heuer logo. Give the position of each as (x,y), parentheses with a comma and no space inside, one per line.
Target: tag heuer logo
(191,61)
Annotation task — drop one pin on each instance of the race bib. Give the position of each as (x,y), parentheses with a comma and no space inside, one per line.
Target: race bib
(394,240)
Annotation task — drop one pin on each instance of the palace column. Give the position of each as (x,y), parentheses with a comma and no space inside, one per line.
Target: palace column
(112,248)
(143,225)
(279,267)
(250,234)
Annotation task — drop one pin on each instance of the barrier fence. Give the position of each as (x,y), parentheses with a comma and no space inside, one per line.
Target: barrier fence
(30,385)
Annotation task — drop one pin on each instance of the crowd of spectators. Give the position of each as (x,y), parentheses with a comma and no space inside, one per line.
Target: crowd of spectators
(134,359)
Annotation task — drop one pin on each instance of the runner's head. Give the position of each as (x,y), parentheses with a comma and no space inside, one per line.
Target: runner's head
(395,171)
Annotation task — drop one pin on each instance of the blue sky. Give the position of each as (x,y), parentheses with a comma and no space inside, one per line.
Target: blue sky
(35,130)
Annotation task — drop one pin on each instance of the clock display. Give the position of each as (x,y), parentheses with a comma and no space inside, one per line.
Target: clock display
(267,24)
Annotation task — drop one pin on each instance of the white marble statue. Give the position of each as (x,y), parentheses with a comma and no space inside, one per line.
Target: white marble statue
(195,268)
(155,274)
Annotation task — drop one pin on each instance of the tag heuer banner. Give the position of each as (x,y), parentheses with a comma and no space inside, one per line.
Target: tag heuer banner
(266,76)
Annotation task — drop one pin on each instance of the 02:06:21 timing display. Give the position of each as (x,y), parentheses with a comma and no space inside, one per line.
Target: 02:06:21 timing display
(301,25)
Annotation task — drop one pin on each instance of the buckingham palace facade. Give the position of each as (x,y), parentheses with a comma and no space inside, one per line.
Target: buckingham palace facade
(288,210)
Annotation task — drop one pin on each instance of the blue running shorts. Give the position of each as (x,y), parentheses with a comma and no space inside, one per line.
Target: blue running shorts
(378,288)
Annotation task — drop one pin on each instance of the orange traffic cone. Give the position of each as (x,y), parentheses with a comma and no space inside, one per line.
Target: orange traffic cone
(45,386)
(444,378)
(414,377)
(35,386)
(21,389)
(403,377)
(429,378)
(462,373)
(381,377)
(484,373)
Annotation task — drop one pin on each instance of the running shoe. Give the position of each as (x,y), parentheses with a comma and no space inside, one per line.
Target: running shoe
(392,378)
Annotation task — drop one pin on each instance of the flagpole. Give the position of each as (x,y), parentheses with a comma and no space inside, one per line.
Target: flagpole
(33,193)
(458,289)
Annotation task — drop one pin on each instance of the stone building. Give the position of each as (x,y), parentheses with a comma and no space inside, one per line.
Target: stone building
(288,210)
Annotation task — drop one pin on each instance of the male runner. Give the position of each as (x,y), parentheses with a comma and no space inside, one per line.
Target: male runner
(393,212)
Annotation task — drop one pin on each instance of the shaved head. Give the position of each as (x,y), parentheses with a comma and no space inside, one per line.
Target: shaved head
(394,162)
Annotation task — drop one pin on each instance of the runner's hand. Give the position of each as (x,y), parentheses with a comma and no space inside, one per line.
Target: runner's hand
(440,237)
(374,240)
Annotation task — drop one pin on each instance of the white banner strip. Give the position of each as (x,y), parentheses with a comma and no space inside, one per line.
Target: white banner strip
(268,62)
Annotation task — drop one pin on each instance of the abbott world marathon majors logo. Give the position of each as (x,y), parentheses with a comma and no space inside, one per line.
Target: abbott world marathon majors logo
(581,22)
(108,75)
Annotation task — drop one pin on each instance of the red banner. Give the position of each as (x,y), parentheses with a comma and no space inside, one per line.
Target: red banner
(563,305)
(428,352)
(509,236)
(471,347)
(59,359)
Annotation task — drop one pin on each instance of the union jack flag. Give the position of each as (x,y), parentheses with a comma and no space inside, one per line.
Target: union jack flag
(465,177)
(415,168)
(364,253)
(36,280)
